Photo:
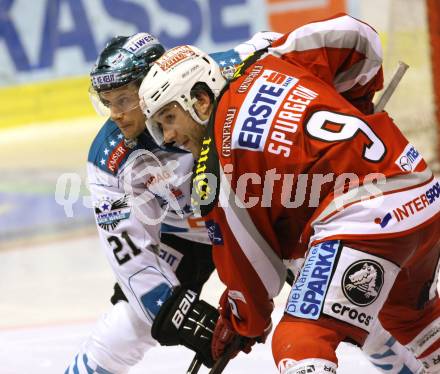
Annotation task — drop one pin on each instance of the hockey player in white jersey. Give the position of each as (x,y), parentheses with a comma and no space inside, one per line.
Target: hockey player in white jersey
(141,190)
(159,252)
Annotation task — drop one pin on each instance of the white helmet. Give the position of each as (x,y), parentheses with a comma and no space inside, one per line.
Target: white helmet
(172,77)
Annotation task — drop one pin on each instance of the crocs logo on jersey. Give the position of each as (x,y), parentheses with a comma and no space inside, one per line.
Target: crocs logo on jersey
(110,213)
(351,313)
(408,159)
(362,282)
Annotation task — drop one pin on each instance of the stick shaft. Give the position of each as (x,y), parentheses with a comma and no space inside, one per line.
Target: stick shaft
(390,88)
(194,366)
(226,357)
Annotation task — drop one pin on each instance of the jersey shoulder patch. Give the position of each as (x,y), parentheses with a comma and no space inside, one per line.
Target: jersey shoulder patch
(228,62)
(108,150)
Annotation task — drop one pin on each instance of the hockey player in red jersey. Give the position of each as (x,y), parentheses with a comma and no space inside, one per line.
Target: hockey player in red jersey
(295,169)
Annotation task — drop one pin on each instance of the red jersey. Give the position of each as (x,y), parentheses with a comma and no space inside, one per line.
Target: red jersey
(301,159)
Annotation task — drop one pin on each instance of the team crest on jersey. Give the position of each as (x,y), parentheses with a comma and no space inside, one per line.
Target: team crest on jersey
(109,213)
(228,62)
(362,282)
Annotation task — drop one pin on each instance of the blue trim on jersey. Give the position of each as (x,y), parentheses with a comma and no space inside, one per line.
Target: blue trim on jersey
(108,130)
(406,370)
(107,139)
(226,58)
(86,360)
(100,370)
(154,299)
(389,352)
(75,367)
(165,228)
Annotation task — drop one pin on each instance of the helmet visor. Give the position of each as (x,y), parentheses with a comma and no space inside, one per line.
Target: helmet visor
(155,131)
(114,102)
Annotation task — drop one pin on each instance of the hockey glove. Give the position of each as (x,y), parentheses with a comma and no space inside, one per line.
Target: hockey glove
(187,320)
(224,334)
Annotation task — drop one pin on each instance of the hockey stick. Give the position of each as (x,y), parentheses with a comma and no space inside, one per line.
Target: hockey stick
(195,365)
(221,363)
(391,86)
(226,357)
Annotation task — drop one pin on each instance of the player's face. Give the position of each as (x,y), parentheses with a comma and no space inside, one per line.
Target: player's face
(123,104)
(180,128)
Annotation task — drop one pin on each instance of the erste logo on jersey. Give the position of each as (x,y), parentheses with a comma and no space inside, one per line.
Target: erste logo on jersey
(270,114)
(259,108)
(307,295)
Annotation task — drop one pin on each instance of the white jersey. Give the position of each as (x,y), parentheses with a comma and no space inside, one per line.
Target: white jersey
(142,190)
(138,192)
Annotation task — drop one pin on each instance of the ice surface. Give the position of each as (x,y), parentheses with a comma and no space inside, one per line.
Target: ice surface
(53,293)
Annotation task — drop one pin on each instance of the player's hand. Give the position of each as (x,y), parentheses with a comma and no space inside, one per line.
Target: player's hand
(224,335)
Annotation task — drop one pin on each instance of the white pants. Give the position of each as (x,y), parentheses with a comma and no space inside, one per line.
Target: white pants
(118,342)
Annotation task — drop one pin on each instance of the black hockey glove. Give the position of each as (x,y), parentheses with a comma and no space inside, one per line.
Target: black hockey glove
(187,320)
